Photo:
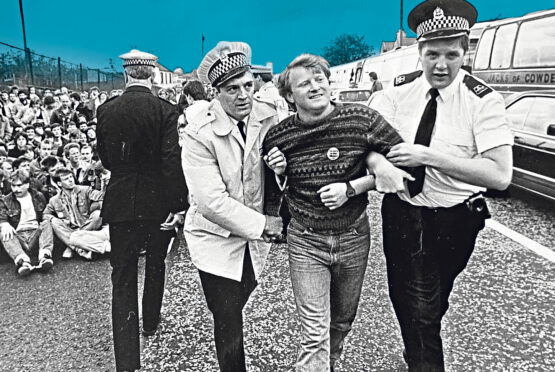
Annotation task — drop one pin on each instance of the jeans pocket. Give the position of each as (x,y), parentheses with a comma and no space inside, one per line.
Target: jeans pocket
(361,229)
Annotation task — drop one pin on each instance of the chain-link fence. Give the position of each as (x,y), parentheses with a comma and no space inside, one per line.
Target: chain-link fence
(48,72)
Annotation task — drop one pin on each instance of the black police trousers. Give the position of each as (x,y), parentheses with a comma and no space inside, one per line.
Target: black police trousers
(425,250)
(225,299)
(128,239)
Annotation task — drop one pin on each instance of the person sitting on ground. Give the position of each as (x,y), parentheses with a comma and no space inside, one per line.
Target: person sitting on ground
(20,140)
(5,173)
(71,210)
(49,165)
(45,150)
(72,153)
(22,226)
(24,163)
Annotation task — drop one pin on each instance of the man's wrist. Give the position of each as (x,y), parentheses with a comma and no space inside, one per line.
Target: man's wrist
(350,192)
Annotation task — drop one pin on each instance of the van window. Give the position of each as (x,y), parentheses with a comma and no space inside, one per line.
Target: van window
(503,46)
(484,50)
(517,112)
(535,45)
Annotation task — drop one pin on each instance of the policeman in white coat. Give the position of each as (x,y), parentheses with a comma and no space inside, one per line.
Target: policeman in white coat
(227,233)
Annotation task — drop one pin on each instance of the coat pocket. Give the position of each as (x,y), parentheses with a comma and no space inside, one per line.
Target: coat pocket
(202,223)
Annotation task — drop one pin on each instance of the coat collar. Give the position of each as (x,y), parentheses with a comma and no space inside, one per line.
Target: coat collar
(137,88)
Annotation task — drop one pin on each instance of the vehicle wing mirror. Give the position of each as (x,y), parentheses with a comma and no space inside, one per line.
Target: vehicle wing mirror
(551,130)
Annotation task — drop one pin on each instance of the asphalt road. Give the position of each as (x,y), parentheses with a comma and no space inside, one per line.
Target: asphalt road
(501,316)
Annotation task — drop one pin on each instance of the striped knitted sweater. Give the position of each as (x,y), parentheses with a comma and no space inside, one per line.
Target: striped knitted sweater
(331,150)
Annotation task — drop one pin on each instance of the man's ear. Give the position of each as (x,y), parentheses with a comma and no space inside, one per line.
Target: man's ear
(289,97)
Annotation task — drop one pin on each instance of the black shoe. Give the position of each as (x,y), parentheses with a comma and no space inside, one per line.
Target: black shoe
(150,332)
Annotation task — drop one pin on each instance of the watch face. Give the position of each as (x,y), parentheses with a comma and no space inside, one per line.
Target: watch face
(350,191)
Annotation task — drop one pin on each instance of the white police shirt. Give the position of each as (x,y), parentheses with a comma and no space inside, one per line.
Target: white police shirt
(470,120)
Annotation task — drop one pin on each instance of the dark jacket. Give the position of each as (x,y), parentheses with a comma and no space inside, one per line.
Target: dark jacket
(10,208)
(138,142)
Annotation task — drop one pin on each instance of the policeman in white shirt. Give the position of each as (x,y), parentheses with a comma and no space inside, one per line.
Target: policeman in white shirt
(457,144)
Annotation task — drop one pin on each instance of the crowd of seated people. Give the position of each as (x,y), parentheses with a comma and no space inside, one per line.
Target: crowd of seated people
(51,181)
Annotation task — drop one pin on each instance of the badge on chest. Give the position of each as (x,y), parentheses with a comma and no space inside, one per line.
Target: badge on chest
(333,153)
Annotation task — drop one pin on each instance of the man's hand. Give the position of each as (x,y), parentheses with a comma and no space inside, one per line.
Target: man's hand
(172,222)
(272,228)
(334,195)
(389,179)
(408,155)
(7,231)
(275,160)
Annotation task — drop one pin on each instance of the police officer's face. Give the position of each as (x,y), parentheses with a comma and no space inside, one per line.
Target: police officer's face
(236,96)
(310,90)
(441,61)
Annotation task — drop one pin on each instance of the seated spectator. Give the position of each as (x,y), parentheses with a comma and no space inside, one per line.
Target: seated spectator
(83,126)
(49,108)
(86,172)
(31,135)
(58,141)
(73,209)
(24,163)
(49,187)
(64,114)
(3,155)
(20,148)
(45,149)
(22,226)
(6,170)
(72,153)
(39,130)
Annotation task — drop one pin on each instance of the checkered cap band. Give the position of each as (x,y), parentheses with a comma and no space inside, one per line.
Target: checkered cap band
(138,62)
(223,66)
(446,23)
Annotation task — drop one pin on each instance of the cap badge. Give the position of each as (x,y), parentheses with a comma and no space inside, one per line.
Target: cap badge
(400,79)
(333,153)
(438,14)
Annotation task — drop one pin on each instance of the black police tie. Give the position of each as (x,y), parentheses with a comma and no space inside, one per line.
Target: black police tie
(423,137)
(243,130)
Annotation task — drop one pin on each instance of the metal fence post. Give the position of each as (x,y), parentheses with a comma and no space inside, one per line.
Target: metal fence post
(60,71)
(28,53)
(98,71)
(81,73)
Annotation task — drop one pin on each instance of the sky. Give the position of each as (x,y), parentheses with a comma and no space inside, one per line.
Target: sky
(92,32)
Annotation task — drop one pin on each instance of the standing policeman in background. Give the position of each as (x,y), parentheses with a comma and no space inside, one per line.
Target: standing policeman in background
(457,144)
(138,143)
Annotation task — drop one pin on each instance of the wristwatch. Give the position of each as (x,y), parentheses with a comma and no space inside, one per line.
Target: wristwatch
(350,191)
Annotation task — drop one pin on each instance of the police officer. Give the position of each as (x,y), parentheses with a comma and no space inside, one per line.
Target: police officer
(222,163)
(457,144)
(138,143)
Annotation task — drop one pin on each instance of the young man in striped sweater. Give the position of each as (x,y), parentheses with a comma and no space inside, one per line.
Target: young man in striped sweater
(326,146)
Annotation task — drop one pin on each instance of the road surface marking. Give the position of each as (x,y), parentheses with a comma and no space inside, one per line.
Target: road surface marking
(522,240)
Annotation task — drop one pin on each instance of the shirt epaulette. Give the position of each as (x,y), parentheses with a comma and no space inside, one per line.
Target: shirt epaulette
(407,78)
(476,86)
(201,119)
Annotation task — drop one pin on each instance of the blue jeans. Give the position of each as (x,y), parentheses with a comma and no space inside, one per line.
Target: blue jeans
(327,271)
